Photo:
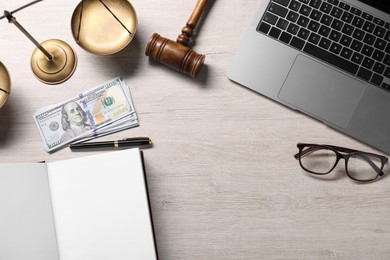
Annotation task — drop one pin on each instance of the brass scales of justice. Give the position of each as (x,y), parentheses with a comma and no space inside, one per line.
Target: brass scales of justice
(104,27)
(5,84)
(107,28)
(53,61)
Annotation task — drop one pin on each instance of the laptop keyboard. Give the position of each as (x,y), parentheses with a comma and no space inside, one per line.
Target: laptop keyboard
(334,32)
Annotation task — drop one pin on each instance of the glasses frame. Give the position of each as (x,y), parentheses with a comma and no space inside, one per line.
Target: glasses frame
(341,153)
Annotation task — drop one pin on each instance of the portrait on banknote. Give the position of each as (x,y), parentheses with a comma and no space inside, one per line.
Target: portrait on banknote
(74,121)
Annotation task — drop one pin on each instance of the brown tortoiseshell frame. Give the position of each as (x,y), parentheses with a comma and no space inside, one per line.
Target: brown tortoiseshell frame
(338,151)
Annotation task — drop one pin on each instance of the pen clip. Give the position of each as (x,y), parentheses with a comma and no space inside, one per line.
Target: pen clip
(136,138)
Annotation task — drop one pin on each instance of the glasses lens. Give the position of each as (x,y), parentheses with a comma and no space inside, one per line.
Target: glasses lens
(364,167)
(317,159)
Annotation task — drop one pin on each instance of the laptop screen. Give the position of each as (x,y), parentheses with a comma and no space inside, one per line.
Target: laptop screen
(383,5)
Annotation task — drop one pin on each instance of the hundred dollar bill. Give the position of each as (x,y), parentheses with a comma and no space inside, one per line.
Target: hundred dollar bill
(84,115)
(126,122)
(120,125)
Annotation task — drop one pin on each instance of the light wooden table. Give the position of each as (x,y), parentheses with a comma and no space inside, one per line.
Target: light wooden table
(222,179)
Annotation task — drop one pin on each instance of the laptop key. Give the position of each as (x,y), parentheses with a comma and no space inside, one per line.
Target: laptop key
(378,55)
(324,31)
(315,15)
(294,5)
(348,29)
(264,28)
(385,86)
(347,17)
(355,11)
(376,79)
(379,31)
(278,10)
(297,43)
(326,19)
(357,58)
(336,12)
(285,37)
(292,16)
(314,38)
(379,22)
(333,59)
(325,43)
(270,18)
(303,21)
(369,39)
(367,16)
(380,44)
(337,24)
(364,73)
(303,33)
(356,45)
(368,63)
(344,6)
(335,36)
(358,22)
(315,3)
(313,26)
(325,7)
(282,24)
(367,50)
(368,27)
(379,68)
(346,53)
(293,28)
(275,32)
(358,34)
(305,10)
(335,48)
(346,40)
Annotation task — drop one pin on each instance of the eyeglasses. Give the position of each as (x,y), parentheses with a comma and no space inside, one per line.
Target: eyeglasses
(322,159)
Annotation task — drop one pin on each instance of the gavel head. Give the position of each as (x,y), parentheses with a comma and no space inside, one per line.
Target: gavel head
(175,55)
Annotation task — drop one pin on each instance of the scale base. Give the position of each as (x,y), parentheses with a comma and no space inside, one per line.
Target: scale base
(59,68)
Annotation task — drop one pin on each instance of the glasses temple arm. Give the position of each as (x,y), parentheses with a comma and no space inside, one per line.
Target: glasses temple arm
(305,152)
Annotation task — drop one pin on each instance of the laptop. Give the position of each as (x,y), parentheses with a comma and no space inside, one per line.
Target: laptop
(329,59)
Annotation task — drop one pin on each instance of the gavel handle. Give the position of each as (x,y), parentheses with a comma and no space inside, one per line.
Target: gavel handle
(188,30)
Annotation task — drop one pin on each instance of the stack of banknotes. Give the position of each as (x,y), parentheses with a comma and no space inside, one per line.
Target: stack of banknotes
(103,110)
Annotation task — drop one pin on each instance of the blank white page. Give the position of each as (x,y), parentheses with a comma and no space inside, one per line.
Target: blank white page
(26,217)
(100,207)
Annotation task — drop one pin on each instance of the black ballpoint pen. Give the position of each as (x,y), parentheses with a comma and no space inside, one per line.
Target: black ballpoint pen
(126,142)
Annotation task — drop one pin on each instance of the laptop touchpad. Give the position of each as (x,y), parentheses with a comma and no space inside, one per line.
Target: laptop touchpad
(321,91)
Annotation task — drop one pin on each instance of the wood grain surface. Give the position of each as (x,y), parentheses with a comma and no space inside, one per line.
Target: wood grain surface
(222,178)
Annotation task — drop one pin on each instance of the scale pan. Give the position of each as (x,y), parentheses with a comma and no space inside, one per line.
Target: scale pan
(5,84)
(104,27)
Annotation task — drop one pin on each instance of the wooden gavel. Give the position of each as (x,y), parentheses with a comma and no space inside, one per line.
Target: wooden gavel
(177,55)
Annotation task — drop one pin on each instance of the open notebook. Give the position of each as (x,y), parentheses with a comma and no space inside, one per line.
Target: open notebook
(92,207)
